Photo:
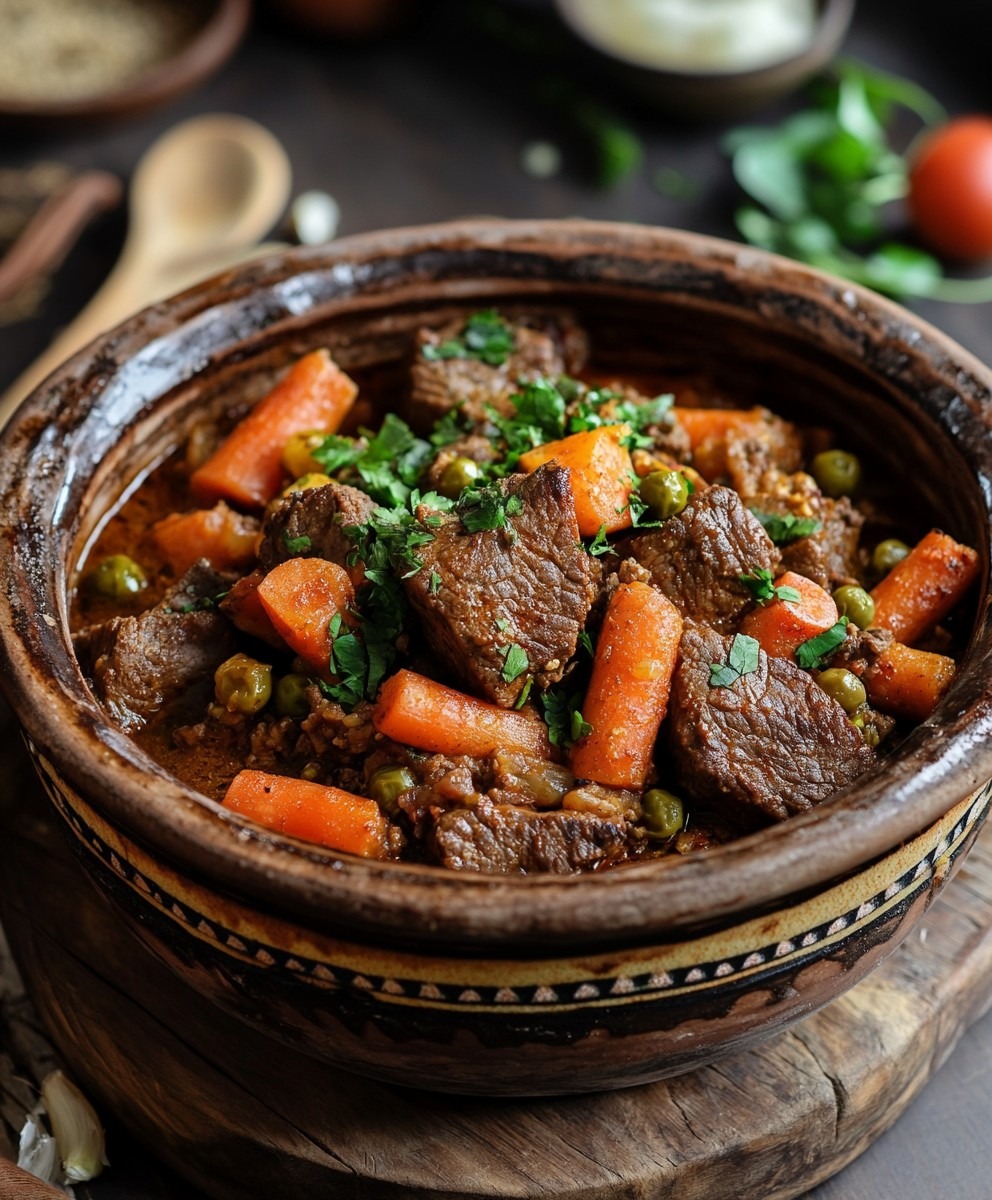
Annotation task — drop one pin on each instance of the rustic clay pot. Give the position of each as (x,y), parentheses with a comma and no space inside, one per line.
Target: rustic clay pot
(489,984)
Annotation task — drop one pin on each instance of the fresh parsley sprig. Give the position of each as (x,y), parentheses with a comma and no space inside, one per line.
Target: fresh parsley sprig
(387,465)
(486,336)
(563,717)
(813,654)
(787,528)
(742,659)
(489,507)
(760,583)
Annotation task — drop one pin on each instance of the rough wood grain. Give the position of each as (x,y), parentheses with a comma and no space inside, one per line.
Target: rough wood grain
(241,1117)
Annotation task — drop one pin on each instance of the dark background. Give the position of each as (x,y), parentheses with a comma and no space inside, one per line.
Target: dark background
(428,124)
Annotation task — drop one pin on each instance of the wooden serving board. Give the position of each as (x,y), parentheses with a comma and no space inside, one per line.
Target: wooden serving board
(243,1117)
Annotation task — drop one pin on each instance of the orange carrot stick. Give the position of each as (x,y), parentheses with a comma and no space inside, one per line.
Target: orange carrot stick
(782,625)
(922,589)
(600,468)
(222,536)
(301,597)
(311,811)
(247,467)
(908,683)
(416,711)
(628,693)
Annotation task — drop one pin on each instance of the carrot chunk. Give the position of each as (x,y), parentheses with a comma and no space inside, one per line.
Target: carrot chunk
(247,468)
(705,424)
(310,811)
(301,597)
(222,536)
(783,625)
(628,693)
(418,712)
(908,683)
(244,609)
(601,475)
(922,589)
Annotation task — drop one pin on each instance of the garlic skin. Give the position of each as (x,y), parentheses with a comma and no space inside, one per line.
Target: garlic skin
(37,1152)
(77,1129)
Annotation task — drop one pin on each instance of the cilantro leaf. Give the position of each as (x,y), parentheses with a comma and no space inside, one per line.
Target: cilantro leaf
(814,653)
(761,585)
(524,694)
(742,659)
(334,452)
(387,465)
(599,544)
(787,528)
(563,717)
(450,428)
(296,545)
(486,336)
(585,641)
(515,662)
(488,508)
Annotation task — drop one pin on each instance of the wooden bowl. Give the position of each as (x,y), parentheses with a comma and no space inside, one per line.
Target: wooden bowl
(220,30)
(720,95)
(502,985)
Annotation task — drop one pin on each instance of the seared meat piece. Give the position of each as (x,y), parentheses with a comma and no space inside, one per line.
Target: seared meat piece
(770,745)
(502,839)
(442,383)
(697,558)
(140,664)
(319,515)
(530,584)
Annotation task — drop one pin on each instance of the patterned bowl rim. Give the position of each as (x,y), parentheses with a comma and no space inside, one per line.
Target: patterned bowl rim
(122,378)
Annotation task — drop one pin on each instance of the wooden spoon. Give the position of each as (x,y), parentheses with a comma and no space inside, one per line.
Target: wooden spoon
(200,199)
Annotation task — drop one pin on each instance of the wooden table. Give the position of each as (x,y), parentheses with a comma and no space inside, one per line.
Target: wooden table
(429,126)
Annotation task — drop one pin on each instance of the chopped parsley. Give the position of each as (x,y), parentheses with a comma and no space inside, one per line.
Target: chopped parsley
(486,337)
(585,641)
(387,465)
(815,653)
(599,544)
(515,662)
(296,545)
(760,584)
(488,508)
(563,717)
(784,529)
(450,428)
(435,584)
(742,660)
(524,694)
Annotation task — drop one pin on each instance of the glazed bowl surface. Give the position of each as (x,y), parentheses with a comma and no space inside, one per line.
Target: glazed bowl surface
(476,983)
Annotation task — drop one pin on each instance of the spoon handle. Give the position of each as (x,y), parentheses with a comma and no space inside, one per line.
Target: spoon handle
(130,286)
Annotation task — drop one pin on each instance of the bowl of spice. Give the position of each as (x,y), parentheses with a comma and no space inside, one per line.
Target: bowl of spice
(68,60)
(716,59)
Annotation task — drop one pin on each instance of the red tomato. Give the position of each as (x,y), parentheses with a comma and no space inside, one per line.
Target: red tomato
(950,189)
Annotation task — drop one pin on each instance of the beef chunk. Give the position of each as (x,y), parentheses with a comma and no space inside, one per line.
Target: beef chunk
(530,584)
(503,839)
(831,556)
(770,745)
(140,664)
(319,515)
(443,383)
(861,648)
(697,558)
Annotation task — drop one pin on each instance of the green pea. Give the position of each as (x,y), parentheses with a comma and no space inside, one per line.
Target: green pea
(867,730)
(664,815)
(243,684)
(388,784)
(856,604)
(886,554)
(459,474)
(118,577)
(837,472)
(844,687)
(291,696)
(665,493)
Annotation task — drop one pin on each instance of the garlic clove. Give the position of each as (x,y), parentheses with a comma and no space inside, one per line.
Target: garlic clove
(77,1129)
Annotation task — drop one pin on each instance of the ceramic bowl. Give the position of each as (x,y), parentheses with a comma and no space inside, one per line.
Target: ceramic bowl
(719,95)
(221,26)
(502,985)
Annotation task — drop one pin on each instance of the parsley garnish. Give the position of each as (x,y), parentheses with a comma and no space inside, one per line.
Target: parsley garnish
(599,545)
(585,641)
(450,428)
(784,529)
(515,662)
(762,588)
(524,694)
(488,508)
(486,337)
(386,465)
(563,717)
(742,660)
(435,585)
(813,654)
(296,545)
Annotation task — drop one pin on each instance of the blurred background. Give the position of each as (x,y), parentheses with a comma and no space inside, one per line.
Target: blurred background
(398,112)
